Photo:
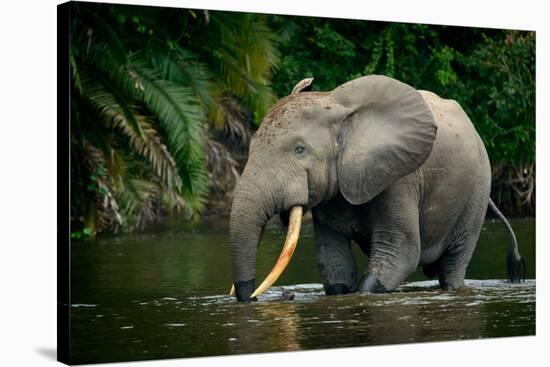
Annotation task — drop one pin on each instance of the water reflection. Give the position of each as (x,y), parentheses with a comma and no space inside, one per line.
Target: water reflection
(163,295)
(265,327)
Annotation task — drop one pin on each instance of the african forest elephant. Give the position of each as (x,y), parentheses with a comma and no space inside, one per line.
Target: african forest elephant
(403,173)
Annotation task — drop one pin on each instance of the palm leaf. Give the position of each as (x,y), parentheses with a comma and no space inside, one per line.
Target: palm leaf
(104,212)
(139,200)
(177,110)
(119,113)
(247,55)
(181,118)
(181,67)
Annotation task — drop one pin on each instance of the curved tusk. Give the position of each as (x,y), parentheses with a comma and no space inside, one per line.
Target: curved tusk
(232,291)
(294,225)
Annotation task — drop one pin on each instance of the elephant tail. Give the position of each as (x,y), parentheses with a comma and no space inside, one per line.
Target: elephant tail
(516,264)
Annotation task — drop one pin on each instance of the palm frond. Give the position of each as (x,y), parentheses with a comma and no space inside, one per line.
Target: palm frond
(104,213)
(140,105)
(247,55)
(236,128)
(122,115)
(181,118)
(177,112)
(181,67)
(146,199)
(140,199)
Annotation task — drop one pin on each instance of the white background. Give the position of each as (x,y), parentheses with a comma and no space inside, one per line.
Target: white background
(28,182)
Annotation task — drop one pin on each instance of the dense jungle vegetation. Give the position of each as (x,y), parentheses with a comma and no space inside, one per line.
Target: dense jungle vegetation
(164,101)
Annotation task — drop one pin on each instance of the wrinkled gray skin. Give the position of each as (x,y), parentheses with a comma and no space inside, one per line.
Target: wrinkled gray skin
(401,172)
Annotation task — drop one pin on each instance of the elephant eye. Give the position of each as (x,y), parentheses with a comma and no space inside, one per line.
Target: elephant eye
(299,149)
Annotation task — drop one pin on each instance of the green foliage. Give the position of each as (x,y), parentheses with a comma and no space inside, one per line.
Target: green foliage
(243,53)
(490,73)
(314,48)
(501,74)
(85,233)
(152,86)
(146,84)
(116,134)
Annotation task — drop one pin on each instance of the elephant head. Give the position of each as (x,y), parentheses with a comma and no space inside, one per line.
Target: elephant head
(355,140)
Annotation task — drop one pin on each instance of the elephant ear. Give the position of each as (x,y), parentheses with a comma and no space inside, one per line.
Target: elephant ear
(302,86)
(388,132)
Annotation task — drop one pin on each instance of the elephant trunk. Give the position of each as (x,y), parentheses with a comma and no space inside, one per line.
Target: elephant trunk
(252,208)
(245,231)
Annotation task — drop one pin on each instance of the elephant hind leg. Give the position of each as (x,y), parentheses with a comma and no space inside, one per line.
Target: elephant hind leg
(451,276)
(461,244)
(455,259)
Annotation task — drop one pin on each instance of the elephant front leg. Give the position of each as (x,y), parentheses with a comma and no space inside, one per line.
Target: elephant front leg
(395,245)
(394,256)
(336,261)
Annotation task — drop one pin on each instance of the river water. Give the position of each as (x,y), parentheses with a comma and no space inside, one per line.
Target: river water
(163,294)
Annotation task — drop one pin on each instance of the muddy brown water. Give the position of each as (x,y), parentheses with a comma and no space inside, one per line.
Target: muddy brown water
(163,294)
